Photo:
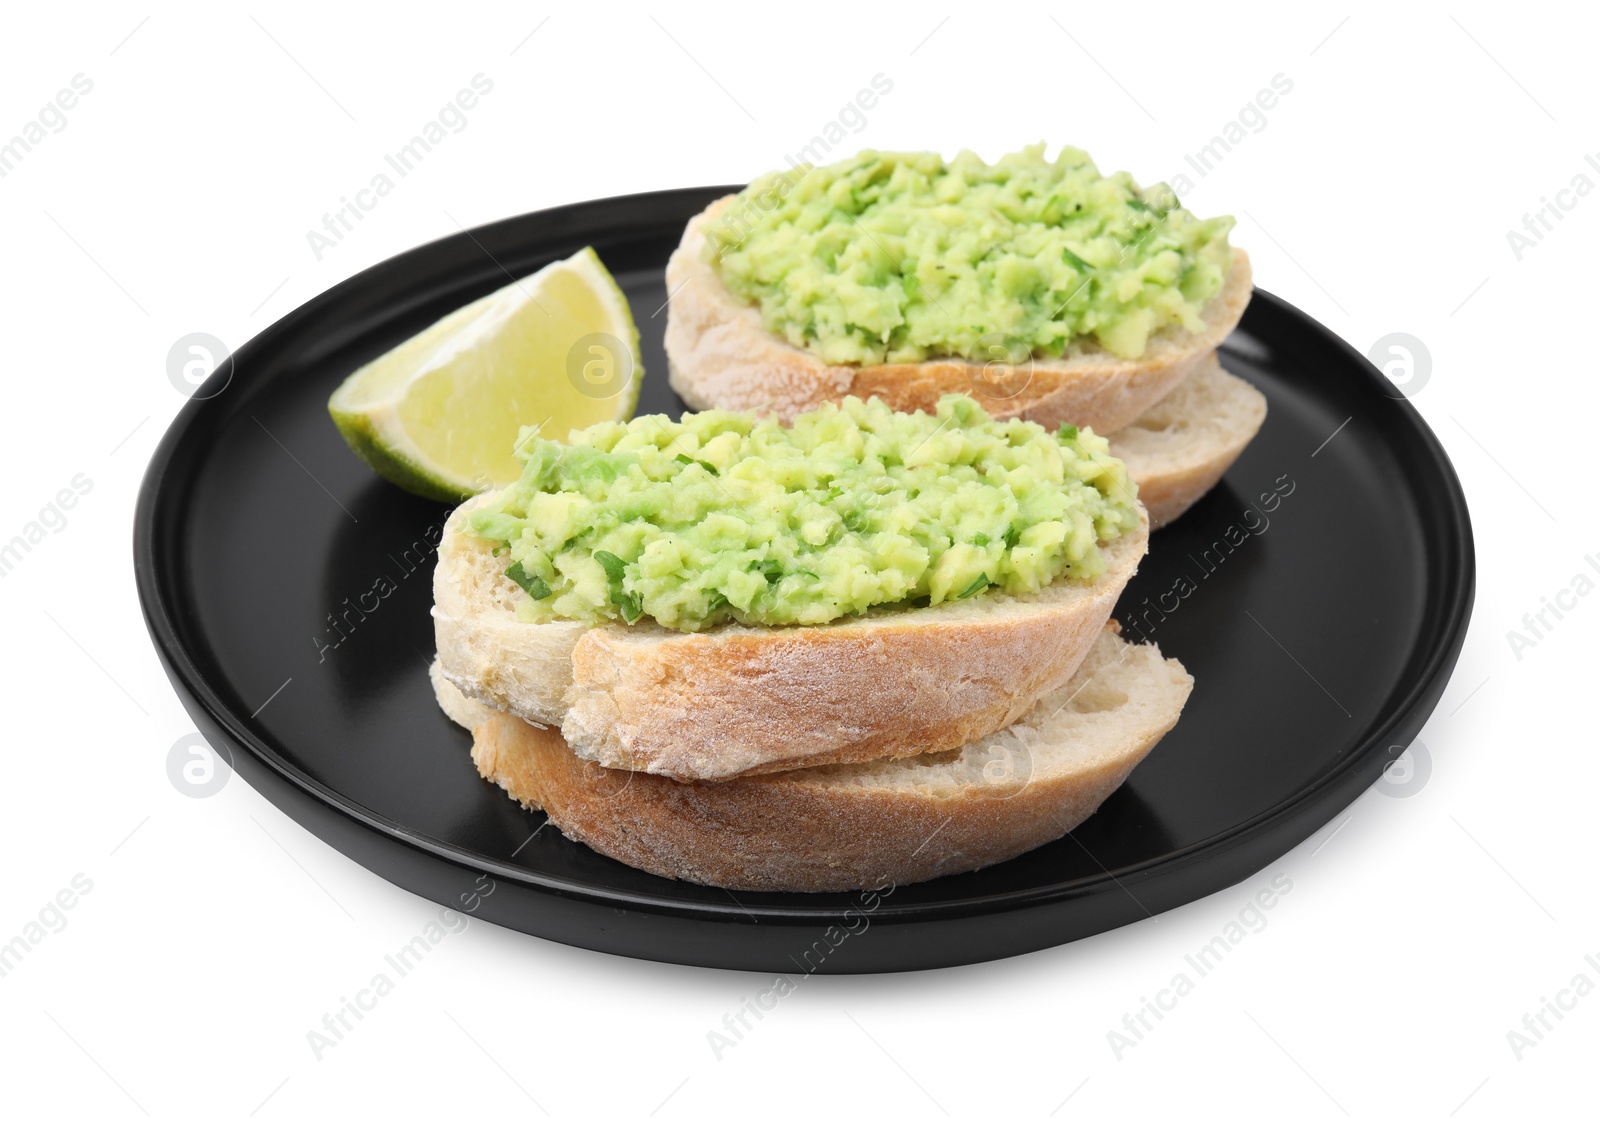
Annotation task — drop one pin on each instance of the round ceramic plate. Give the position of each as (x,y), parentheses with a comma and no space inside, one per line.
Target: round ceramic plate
(1319,596)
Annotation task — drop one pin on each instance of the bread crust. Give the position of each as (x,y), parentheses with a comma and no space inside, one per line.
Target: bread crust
(482,648)
(838,828)
(705,706)
(719,355)
(736,699)
(1179,448)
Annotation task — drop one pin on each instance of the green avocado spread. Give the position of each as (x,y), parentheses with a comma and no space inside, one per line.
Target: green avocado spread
(899,257)
(721,517)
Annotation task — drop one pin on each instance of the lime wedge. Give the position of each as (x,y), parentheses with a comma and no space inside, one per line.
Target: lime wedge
(439,414)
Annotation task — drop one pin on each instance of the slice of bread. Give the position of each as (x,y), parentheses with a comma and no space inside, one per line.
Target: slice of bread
(737,699)
(720,356)
(461,708)
(890,821)
(1179,448)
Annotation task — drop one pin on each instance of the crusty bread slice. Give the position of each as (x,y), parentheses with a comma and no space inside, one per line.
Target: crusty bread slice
(831,828)
(463,710)
(720,356)
(1179,447)
(521,667)
(738,699)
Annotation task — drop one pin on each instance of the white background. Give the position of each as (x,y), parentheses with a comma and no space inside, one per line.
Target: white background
(217,933)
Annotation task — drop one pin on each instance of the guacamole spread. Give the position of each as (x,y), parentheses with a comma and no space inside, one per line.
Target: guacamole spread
(899,257)
(721,517)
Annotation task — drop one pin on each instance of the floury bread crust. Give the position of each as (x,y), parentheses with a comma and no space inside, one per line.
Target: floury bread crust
(1180,447)
(721,356)
(483,649)
(462,709)
(735,699)
(867,824)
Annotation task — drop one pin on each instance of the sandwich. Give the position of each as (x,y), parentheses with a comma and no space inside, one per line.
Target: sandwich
(1040,288)
(865,646)
(852,826)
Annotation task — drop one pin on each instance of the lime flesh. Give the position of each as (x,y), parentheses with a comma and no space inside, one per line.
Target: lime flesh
(439,414)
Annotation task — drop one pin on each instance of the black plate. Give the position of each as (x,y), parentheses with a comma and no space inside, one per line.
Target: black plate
(1319,596)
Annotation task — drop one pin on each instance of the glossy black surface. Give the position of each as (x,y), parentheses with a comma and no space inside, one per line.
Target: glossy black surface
(1319,596)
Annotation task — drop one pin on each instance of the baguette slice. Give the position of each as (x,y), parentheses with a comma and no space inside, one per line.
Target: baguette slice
(719,355)
(833,828)
(1180,447)
(737,699)
(463,711)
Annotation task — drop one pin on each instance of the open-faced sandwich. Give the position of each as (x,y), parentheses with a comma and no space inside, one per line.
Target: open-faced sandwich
(1038,287)
(865,647)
